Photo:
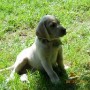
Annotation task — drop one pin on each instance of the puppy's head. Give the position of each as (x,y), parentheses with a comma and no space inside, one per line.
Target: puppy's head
(50,28)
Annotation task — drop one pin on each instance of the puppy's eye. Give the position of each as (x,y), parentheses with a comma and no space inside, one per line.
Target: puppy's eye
(53,24)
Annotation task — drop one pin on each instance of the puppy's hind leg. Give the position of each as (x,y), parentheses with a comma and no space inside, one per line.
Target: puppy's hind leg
(19,64)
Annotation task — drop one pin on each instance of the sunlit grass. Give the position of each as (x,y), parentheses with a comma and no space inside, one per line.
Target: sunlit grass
(18,21)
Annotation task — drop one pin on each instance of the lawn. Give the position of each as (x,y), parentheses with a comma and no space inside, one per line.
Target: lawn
(18,22)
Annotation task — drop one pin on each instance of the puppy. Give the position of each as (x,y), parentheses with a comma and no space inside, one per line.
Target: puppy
(46,51)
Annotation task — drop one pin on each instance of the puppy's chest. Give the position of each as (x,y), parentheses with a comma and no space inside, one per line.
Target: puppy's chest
(51,54)
(48,49)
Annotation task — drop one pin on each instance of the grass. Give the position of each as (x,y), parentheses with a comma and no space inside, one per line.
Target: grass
(18,21)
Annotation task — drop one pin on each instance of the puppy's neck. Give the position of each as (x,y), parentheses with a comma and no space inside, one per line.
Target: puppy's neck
(54,43)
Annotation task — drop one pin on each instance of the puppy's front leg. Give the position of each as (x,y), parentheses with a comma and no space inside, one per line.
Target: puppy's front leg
(48,68)
(61,67)
(60,59)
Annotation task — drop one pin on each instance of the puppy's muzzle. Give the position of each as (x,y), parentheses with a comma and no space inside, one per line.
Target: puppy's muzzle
(63,31)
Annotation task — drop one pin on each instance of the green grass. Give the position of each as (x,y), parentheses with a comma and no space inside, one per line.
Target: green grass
(18,21)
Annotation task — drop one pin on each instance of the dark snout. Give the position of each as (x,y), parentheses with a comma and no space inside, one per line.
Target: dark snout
(63,30)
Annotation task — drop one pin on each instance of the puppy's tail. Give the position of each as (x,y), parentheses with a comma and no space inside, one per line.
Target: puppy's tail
(8,68)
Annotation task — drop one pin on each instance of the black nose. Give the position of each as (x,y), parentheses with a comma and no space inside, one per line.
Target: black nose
(63,31)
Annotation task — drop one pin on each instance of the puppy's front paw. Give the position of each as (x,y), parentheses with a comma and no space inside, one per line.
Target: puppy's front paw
(55,80)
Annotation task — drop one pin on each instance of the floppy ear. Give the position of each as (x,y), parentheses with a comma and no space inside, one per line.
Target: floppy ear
(41,30)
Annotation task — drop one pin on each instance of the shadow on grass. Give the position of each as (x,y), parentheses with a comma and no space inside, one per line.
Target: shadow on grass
(41,81)
(44,83)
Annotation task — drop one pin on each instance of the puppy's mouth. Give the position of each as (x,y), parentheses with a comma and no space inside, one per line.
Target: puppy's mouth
(60,34)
